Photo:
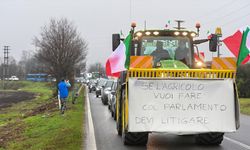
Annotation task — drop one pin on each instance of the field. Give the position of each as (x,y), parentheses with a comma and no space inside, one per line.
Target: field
(30,119)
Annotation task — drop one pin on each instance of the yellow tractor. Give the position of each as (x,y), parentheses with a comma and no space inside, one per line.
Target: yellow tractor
(166,90)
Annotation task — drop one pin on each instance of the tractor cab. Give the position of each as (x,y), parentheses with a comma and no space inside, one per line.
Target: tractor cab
(172,49)
(165,46)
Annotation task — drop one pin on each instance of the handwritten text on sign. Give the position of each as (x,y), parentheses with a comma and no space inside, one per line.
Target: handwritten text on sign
(181,105)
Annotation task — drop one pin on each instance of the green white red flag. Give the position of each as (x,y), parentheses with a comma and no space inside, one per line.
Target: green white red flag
(119,60)
(244,47)
(233,43)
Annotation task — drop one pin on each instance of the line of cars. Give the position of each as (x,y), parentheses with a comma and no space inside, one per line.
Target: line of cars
(106,90)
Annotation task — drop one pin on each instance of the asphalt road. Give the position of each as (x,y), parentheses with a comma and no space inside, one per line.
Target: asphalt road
(107,139)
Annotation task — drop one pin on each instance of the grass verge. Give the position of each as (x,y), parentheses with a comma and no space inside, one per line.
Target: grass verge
(46,129)
(245,106)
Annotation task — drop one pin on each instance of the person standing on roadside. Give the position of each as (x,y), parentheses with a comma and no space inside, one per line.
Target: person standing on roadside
(63,86)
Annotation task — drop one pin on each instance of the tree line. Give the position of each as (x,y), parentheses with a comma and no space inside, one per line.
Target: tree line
(59,51)
(27,64)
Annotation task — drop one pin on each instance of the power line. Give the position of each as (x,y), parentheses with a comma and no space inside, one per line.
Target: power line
(228,14)
(235,19)
(215,10)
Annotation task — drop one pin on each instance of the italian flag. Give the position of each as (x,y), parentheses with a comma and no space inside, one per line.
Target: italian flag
(244,47)
(119,60)
(233,43)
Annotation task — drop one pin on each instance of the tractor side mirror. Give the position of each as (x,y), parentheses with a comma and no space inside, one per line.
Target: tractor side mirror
(213,43)
(115,41)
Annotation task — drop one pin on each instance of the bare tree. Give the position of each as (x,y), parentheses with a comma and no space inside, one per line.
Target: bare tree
(60,48)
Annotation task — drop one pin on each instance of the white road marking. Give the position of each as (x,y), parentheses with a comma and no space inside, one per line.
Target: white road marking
(91,143)
(237,142)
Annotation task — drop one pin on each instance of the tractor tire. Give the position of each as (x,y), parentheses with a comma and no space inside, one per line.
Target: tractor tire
(135,138)
(209,138)
(119,125)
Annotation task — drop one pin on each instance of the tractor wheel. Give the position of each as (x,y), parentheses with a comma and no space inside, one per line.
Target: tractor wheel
(209,138)
(119,125)
(134,138)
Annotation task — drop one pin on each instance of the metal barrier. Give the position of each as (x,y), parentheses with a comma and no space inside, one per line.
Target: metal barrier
(180,73)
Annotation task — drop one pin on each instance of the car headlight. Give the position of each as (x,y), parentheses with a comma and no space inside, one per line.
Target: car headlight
(106,91)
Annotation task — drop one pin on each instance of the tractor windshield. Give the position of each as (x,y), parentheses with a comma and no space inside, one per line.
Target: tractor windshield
(167,48)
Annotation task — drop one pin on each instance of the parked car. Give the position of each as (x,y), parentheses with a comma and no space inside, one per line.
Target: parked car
(105,91)
(92,85)
(112,99)
(13,78)
(101,83)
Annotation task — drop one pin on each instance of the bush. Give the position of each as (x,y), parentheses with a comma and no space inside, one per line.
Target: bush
(243,80)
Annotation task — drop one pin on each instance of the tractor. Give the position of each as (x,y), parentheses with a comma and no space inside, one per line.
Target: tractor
(165,89)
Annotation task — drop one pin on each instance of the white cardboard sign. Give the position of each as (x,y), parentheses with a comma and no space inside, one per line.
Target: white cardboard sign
(181,105)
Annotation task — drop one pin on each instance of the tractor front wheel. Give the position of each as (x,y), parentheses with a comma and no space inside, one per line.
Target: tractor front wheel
(134,138)
(209,138)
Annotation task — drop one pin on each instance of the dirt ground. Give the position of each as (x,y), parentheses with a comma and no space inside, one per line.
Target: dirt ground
(12,131)
(8,98)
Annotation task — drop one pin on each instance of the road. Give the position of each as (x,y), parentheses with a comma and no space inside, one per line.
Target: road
(106,137)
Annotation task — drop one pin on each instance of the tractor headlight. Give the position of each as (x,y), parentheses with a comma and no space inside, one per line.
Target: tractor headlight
(184,33)
(176,33)
(148,33)
(193,34)
(156,33)
(199,64)
(139,34)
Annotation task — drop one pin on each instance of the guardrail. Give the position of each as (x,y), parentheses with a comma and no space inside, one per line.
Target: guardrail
(180,73)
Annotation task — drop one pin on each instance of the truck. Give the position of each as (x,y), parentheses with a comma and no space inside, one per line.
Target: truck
(175,94)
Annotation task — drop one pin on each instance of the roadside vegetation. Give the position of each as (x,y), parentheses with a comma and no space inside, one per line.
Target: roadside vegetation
(243,85)
(37,123)
(245,106)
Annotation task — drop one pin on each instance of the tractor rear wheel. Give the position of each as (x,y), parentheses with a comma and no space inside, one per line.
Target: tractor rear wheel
(134,138)
(209,138)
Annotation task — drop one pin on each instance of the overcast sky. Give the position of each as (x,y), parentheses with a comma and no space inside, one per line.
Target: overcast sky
(96,20)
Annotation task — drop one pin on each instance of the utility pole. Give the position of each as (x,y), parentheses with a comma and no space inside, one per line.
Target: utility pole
(5,63)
